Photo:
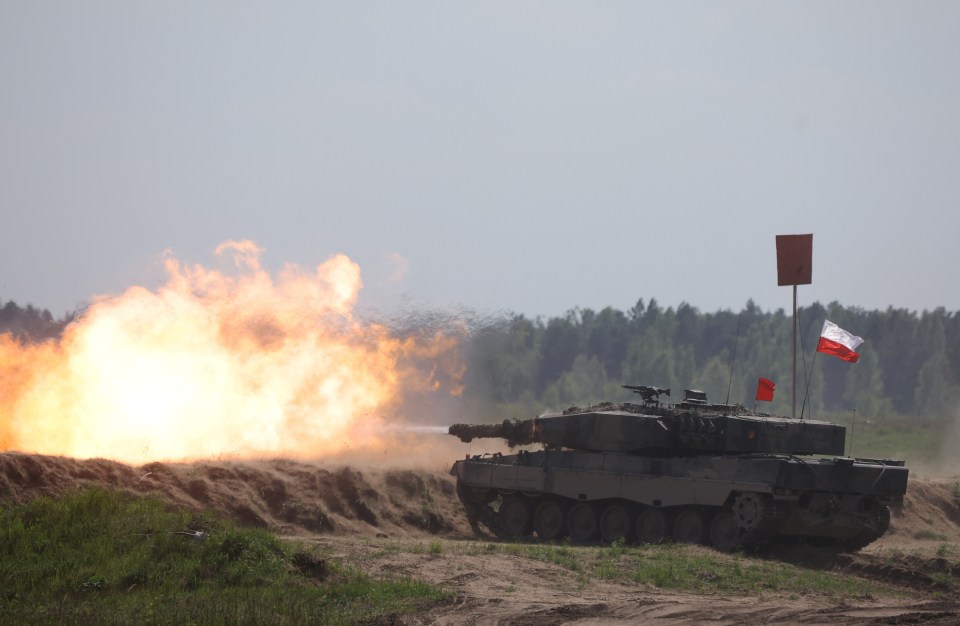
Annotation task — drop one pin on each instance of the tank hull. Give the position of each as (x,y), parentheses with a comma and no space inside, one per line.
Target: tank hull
(730,501)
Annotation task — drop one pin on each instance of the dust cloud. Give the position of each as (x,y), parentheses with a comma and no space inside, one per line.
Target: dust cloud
(949,459)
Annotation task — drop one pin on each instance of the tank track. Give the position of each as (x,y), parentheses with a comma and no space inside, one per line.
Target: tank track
(478,510)
(756,528)
(869,533)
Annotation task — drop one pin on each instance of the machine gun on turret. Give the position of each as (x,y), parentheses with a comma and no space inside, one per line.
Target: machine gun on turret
(650,395)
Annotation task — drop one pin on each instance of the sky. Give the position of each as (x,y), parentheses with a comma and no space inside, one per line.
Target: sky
(512,156)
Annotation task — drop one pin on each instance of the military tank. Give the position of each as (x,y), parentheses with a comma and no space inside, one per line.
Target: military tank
(691,472)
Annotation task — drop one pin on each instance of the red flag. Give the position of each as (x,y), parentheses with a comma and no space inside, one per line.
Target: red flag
(838,342)
(765,390)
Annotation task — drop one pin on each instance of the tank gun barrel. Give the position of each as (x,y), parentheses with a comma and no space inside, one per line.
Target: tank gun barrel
(515,432)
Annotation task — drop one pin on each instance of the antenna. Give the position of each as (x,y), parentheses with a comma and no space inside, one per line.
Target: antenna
(807,375)
(853,425)
(733,361)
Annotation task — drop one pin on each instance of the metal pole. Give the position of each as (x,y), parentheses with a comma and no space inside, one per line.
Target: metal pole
(853,425)
(794,413)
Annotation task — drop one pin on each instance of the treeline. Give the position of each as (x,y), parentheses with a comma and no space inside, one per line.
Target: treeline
(30,323)
(909,365)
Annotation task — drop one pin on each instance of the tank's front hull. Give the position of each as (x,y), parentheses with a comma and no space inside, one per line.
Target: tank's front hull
(731,501)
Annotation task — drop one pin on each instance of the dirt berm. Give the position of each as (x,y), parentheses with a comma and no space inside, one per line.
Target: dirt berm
(355,513)
(287,497)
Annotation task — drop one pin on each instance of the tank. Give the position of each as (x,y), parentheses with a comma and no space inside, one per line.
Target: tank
(691,472)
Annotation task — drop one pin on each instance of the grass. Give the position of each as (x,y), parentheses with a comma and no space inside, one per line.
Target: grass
(678,567)
(102,557)
(384,548)
(929,535)
(683,567)
(894,437)
(565,556)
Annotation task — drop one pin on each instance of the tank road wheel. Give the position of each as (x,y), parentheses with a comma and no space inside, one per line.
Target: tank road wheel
(652,526)
(514,518)
(548,520)
(582,523)
(616,522)
(689,527)
(756,516)
(748,510)
(725,531)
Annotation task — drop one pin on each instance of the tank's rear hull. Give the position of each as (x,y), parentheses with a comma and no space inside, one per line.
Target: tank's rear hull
(731,501)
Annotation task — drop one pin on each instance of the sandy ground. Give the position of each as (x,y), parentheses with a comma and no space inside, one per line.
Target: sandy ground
(497,588)
(381,520)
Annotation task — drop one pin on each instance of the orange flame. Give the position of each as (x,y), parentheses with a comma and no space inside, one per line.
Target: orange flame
(214,364)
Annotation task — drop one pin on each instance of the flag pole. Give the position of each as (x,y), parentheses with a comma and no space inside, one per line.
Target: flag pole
(794,261)
(806,383)
(794,414)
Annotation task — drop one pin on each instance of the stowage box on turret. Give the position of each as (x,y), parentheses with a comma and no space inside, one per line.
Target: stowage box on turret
(691,471)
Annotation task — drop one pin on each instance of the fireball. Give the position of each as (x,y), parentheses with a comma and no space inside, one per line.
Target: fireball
(238,364)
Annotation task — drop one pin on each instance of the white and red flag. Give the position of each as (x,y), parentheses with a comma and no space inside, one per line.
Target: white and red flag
(838,342)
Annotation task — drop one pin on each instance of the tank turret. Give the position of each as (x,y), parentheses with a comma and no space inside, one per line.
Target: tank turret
(651,428)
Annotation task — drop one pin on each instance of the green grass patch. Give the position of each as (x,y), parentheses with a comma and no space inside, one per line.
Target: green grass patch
(929,535)
(688,568)
(104,557)
(683,567)
(565,556)
(892,437)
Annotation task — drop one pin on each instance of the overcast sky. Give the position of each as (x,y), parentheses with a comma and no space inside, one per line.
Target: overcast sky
(524,156)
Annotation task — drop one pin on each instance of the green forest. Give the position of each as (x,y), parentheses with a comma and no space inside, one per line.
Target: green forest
(909,365)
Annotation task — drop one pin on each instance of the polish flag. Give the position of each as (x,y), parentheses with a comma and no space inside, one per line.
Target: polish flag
(838,342)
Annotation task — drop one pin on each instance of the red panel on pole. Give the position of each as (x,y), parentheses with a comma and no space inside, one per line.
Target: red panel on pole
(794,259)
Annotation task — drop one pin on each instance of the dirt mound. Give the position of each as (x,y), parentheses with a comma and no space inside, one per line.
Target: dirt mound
(288,497)
(295,497)
(933,504)
(927,524)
